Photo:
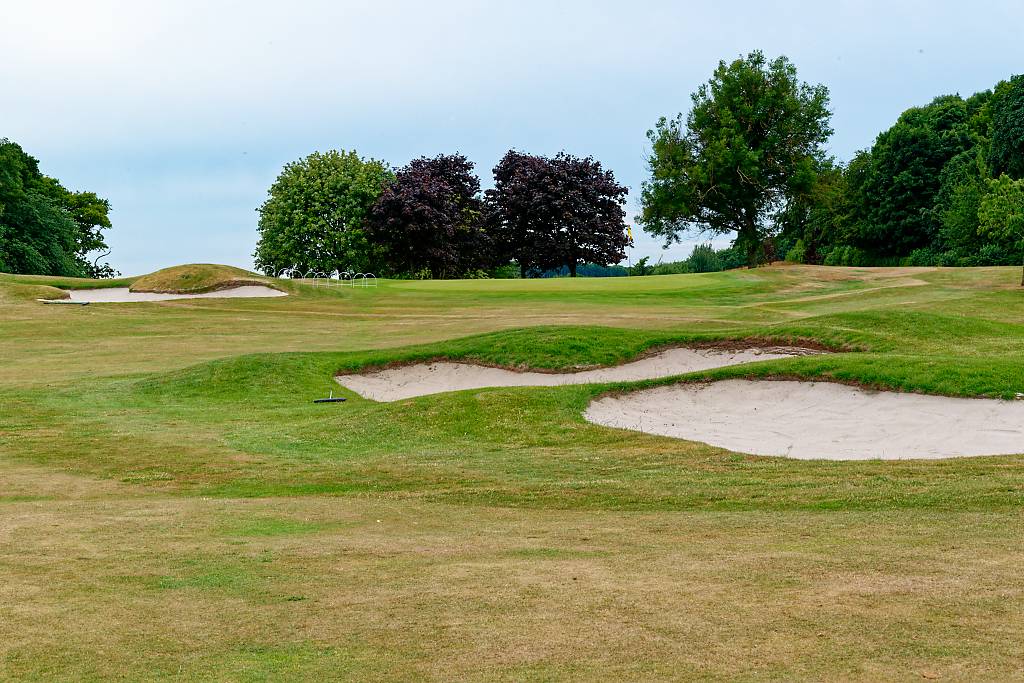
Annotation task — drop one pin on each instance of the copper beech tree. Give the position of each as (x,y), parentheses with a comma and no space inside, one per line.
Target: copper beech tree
(430,218)
(562,211)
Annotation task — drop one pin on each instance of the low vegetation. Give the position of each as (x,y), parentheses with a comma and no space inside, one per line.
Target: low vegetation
(175,506)
(197,278)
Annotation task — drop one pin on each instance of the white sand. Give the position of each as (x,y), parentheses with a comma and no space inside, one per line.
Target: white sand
(407,381)
(122,295)
(819,420)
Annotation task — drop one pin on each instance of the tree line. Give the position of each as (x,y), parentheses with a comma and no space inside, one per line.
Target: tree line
(943,186)
(337,211)
(44,227)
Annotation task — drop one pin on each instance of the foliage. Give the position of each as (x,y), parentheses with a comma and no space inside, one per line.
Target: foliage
(846,256)
(45,228)
(797,253)
(588,270)
(1007,150)
(314,218)
(751,144)
(642,267)
(962,184)
(554,212)
(704,259)
(897,189)
(1001,214)
(431,217)
(915,196)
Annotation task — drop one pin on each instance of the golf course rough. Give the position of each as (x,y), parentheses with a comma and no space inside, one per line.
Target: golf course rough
(175,507)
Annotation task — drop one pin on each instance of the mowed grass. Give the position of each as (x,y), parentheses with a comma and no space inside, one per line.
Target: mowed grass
(174,506)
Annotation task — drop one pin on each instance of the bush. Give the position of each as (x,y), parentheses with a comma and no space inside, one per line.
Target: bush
(733,257)
(847,256)
(798,253)
(997,255)
(924,256)
(671,268)
(509,271)
(704,259)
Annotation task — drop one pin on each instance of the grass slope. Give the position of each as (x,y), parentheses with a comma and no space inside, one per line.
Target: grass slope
(196,279)
(175,507)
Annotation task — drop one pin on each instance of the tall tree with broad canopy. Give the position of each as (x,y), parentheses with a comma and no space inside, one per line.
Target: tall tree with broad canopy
(1001,214)
(45,228)
(748,147)
(554,212)
(904,173)
(314,218)
(431,218)
(1007,149)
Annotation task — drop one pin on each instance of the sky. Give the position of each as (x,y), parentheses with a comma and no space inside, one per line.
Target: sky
(182,113)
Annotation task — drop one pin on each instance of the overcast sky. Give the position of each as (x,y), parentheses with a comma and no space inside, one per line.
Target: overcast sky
(182,113)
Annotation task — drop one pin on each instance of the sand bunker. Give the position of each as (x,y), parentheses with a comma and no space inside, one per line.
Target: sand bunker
(123,295)
(407,381)
(819,420)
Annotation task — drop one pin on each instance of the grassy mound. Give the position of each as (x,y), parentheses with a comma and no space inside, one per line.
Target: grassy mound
(196,278)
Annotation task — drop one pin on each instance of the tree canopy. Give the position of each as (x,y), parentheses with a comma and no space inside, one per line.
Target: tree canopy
(315,216)
(430,218)
(751,144)
(1001,213)
(1006,154)
(916,196)
(45,228)
(553,212)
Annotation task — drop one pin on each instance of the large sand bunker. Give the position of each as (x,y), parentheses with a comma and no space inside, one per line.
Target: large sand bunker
(819,420)
(123,295)
(394,384)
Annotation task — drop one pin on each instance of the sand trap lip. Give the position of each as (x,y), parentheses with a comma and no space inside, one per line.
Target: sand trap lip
(408,381)
(811,420)
(123,295)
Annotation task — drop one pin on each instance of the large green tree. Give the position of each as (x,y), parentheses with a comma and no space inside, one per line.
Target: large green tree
(44,227)
(314,218)
(899,186)
(749,146)
(1007,150)
(1001,213)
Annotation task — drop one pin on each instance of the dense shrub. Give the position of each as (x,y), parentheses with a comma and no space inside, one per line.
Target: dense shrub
(798,253)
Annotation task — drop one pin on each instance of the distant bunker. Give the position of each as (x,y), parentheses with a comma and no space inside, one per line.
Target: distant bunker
(818,420)
(124,295)
(408,381)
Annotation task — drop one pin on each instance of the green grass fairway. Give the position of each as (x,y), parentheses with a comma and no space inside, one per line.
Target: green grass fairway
(173,506)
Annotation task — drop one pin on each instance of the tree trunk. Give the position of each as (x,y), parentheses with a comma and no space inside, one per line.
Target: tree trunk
(751,239)
(572,268)
(522,270)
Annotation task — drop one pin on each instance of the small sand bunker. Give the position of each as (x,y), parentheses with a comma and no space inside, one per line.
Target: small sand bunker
(819,420)
(123,295)
(394,384)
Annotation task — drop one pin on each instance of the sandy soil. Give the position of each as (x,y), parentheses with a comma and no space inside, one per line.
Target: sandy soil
(122,295)
(819,420)
(394,384)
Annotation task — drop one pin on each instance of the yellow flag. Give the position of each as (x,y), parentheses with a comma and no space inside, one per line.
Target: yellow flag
(629,231)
